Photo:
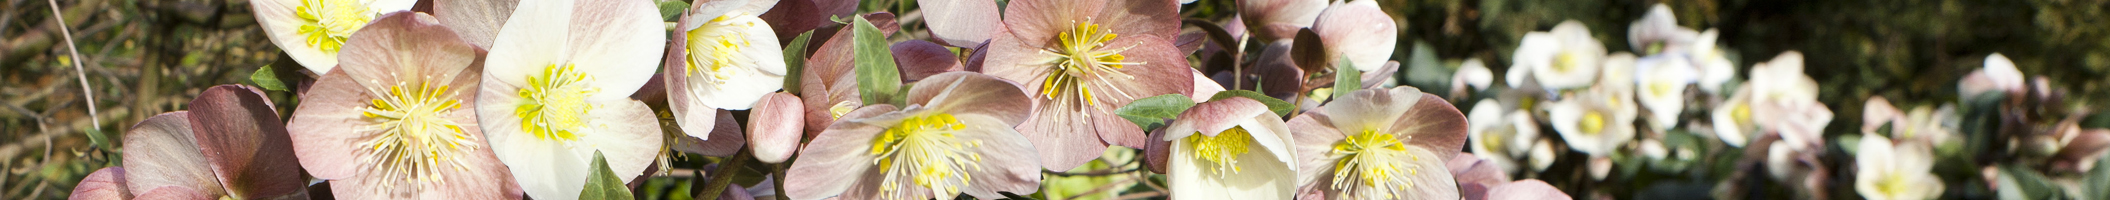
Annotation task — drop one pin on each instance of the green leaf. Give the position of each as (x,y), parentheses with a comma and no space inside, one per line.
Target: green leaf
(1280,107)
(603,184)
(795,61)
(1423,70)
(96,137)
(670,10)
(878,80)
(2018,181)
(1150,113)
(1851,143)
(267,79)
(1346,79)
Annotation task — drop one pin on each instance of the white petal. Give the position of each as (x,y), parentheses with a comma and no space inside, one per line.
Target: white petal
(282,26)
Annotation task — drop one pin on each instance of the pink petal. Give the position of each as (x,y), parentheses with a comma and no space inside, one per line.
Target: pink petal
(1009,171)
(961,22)
(1371,109)
(1276,66)
(405,49)
(918,59)
(1065,140)
(827,81)
(1279,19)
(1038,21)
(835,158)
(775,127)
(1314,141)
(1526,189)
(973,93)
(245,143)
(1210,118)
(174,193)
(477,21)
(1358,31)
(1157,151)
(885,22)
(163,152)
(320,132)
(1433,124)
(1878,111)
(2090,142)
(1151,19)
(1469,169)
(104,184)
(694,118)
(726,139)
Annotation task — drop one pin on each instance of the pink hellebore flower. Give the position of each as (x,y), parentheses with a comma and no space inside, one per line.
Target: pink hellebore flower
(1233,148)
(1272,20)
(1380,144)
(1081,59)
(230,145)
(556,88)
(955,137)
(393,121)
(1360,32)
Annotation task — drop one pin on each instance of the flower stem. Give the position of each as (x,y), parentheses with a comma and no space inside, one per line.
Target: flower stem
(723,177)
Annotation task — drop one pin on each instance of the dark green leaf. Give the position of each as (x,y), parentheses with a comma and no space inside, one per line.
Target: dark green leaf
(795,61)
(670,10)
(1424,70)
(1346,79)
(1280,107)
(267,79)
(2099,178)
(2028,184)
(878,80)
(1150,113)
(603,184)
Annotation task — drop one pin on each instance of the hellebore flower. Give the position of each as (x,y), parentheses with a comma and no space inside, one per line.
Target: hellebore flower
(1895,171)
(722,57)
(1595,122)
(1271,20)
(1784,100)
(828,84)
(391,122)
(1231,148)
(1081,59)
(313,31)
(775,127)
(230,145)
(1714,69)
(1566,57)
(961,23)
(1998,75)
(1500,136)
(1475,175)
(1379,144)
(106,183)
(1359,31)
(476,21)
(1662,82)
(1658,32)
(955,137)
(1733,121)
(556,88)
(1528,189)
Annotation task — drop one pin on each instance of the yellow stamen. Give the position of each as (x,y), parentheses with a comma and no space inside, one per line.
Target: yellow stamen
(930,156)
(1083,56)
(553,105)
(715,48)
(417,138)
(1372,161)
(1742,113)
(328,23)
(1591,122)
(1223,149)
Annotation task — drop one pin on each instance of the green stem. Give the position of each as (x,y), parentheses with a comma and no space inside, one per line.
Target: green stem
(723,176)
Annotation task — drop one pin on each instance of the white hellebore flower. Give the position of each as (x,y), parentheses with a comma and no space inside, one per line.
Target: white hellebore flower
(1732,120)
(1566,57)
(556,89)
(1230,149)
(1663,80)
(1595,122)
(1500,136)
(722,57)
(312,31)
(1895,171)
(1714,69)
(1658,32)
(1998,75)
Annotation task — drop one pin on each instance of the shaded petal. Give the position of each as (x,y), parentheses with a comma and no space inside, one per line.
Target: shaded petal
(163,153)
(1064,139)
(694,118)
(1156,151)
(775,127)
(726,138)
(1210,118)
(1315,140)
(405,49)
(320,132)
(1151,19)
(245,143)
(1203,87)
(1374,109)
(1358,31)
(1007,171)
(626,134)
(1258,177)
(963,23)
(838,153)
(1433,124)
(827,83)
(1037,22)
(1288,15)
(972,93)
(1469,169)
(789,18)
(107,183)
(920,59)
(1276,65)
(477,21)
(1429,185)
(174,192)
(1526,189)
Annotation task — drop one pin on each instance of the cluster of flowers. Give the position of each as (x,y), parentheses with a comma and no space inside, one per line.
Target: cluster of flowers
(466,99)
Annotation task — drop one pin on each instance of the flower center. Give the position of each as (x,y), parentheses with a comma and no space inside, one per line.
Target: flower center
(1372,160)
(1223,149)
(417,138)
(1742,113)
(1564,62)
(1893,185)
(554,103)
(924,150)
(842,108)
(1493,139)
(327,23)
(1082,55)
(714,47)
(1660,88)
(1591,122)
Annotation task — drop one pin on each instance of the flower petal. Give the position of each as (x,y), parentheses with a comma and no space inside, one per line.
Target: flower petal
(1288,15)
(103,184)
(973,93)
(1151,19)
(477,21)
(1035,22)
(962,23)
(164,153)
(694,118)
(1315,139)
(1065,140)
(1373,109)
(839,153)
(919,59)
(174,192)
(619,40)
(405,48)
(789,18)
(283,27)
(320,132)
(1008,171)
(248,147)
(1210,118)
(1433,124)
(1526,189)
(1156,151)
(1439,185)
(1256,178)
(775,127)
(726,138)
(1358,31)
(626,133)
(827,83)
